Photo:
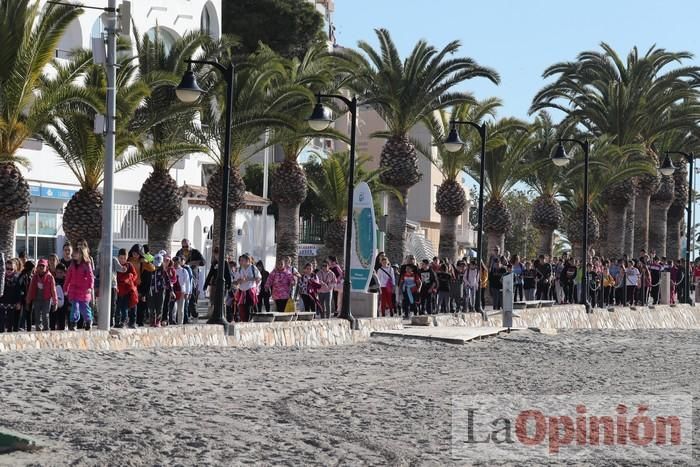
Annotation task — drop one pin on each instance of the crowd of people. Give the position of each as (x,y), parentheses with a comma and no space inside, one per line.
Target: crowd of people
(156,290)
(441,286)
(60,293)
(162,289)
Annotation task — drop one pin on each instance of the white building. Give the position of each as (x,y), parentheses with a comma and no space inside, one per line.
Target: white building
(52,184)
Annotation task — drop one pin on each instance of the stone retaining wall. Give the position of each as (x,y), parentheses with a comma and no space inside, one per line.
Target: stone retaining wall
(115,339)
(320,333)
(575,317)
(317,333)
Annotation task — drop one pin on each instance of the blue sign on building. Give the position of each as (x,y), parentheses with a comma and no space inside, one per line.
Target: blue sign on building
(53,192)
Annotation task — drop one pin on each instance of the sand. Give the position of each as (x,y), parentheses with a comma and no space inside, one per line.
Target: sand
(387,402)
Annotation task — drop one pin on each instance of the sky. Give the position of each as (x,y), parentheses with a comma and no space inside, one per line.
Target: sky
(520,39)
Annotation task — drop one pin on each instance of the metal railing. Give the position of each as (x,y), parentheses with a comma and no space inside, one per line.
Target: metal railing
(312,231)
(128,223)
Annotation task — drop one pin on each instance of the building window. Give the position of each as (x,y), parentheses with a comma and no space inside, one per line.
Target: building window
(208,21)
(205,22)
(42,229)
(98,27)
(207,172)
(162,36)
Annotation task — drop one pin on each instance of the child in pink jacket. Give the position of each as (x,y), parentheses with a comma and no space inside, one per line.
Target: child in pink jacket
(78,287)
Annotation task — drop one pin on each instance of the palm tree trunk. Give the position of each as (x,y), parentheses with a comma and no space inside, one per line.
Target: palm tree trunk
(231,246)
(396,227)
(617,221)
(657,229)
(287,226)
(546,242)
(159,235)
(495,239)
(335,240)
(641,222)
(7,237)
(576,249)
(448,237)
(673,240)
(629,227)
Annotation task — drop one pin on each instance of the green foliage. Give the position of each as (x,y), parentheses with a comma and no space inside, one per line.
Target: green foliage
(258,103)
(404,92)
(29,36)
(313,205)
(332,186)
(289,27)
(161,111)
(317,71)
(523,238)
(608,164)
(253,178)
(509,142)
(633,101)
(71,133)
(451,164)
(474,211)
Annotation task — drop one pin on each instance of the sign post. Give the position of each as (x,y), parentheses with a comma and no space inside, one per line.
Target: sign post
(364,239)
(508,301)
(363,252)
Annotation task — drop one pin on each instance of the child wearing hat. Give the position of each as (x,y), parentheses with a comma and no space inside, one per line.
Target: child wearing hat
(159,288)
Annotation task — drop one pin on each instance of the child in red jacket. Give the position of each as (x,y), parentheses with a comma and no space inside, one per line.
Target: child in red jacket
(127,294)
(42,295)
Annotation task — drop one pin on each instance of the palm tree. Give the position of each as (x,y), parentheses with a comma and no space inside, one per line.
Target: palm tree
(257,104)
(332,189)
(403,93)
(632,101)
(451,199)
(160,199)
(509,143)
(288,187)
(665,237)
(29,36)
(545,179)
(71,135)
(609,164)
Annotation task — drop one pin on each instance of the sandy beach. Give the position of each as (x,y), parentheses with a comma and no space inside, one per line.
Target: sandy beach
(387,402)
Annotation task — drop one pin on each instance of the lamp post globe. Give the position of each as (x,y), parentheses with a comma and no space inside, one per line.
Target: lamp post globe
(667,168)
(453,143)
(188,91)
(321,117)
(559,157)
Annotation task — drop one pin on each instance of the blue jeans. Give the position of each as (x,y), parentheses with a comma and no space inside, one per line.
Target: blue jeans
(79,309)
(123,309)
(496,298)
(470,297)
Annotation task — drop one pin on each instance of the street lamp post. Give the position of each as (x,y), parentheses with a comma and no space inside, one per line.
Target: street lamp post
(320,119)
(454,143)
(667,168)
(189,92)
(560,159)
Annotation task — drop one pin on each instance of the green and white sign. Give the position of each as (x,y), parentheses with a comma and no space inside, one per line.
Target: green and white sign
(364,239)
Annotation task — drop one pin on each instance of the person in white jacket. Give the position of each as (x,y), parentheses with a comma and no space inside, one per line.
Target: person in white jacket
(471,284)
(184,284)
(387,284)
